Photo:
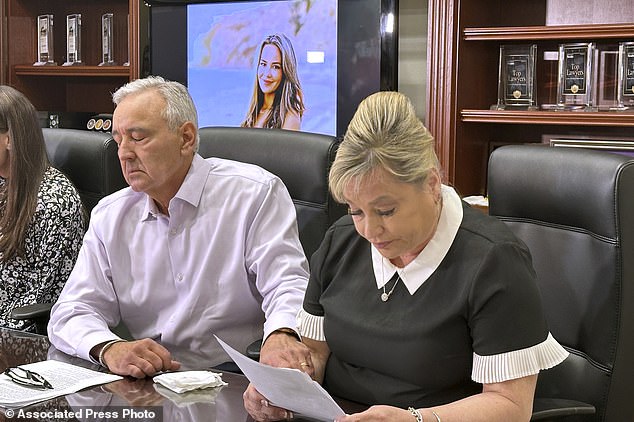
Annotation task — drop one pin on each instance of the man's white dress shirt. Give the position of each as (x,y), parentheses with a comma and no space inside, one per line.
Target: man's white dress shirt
(227,261)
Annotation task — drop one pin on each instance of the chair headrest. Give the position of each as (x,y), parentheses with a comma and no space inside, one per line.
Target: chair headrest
(562,186)
(301,159)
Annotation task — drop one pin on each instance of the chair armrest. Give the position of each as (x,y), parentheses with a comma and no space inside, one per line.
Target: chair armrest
(253,350)
(38,312)
(545,409)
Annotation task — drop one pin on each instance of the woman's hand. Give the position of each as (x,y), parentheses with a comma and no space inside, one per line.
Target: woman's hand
(260,409)
(380,413)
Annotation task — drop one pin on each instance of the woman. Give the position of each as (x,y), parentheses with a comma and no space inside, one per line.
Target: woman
(417,304)
(277,101)
(41,215)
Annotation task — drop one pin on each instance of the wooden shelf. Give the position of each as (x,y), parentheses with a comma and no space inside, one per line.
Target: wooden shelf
(558,32)
(91,71)
(576,118)
(71,89)
(463,65)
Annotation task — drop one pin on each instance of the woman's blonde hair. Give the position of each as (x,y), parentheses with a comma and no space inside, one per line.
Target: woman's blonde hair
(383,133)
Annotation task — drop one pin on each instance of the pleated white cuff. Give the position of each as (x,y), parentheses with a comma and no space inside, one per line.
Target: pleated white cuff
(311,326)
(518,363)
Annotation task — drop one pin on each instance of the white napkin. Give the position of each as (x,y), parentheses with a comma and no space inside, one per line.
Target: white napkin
(207,395)
(180,382)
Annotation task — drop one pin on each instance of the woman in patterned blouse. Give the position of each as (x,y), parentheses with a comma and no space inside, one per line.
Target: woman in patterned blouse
(42,220)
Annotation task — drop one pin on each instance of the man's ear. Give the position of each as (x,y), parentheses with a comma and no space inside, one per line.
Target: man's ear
(189,133)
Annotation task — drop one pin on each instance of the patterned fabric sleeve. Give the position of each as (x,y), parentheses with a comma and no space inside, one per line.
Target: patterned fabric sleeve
(60,228)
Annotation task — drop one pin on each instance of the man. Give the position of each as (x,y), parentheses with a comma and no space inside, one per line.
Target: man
(193,248)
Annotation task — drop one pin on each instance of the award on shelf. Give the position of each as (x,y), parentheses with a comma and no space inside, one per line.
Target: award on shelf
(127,62)
(574,88)
(516,77)
(44,41)
(605,77)
(73,40)
(107,58)
(625,93)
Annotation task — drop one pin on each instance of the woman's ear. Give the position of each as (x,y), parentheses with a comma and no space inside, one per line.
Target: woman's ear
(5,141)
(433,184)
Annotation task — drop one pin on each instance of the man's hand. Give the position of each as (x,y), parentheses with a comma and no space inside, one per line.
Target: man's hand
(138,392)
(283,350)
(138,358)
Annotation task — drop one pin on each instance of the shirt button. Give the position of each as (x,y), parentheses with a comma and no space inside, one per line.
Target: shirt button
(179,277)
(172,231)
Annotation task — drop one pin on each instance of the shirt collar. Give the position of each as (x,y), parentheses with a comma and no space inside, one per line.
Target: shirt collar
(190,191)
(418,271)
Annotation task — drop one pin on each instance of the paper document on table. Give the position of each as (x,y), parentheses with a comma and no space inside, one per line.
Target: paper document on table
(64,377)
(287,388)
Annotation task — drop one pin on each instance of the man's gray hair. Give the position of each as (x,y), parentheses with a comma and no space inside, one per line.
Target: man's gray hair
(179,105)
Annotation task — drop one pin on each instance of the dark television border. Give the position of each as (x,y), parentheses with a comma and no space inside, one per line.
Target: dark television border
(168,48)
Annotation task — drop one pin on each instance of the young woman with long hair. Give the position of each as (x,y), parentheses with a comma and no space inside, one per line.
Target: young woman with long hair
(42,220)
(277,101)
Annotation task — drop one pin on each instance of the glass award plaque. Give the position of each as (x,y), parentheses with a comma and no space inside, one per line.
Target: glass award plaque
(605,77)
(73,40)
(107,58)
(574,88)
(625,90)
(45,41)
(516,77)
(127,62)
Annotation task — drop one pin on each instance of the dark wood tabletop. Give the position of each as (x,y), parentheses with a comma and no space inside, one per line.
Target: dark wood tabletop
(127,399)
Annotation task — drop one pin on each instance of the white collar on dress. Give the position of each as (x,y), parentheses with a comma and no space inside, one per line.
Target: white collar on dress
(418,271)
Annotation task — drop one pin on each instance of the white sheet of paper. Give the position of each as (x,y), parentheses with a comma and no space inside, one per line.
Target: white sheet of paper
(64,377)
(287,388)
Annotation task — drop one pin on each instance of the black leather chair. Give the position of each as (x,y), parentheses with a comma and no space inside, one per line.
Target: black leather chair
(575,210)
(302,160)
(90,161)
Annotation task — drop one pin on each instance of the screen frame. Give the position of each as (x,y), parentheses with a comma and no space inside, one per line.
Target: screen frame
(176,12)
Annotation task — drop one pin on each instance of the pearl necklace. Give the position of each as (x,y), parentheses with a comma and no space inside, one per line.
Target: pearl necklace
(386,295)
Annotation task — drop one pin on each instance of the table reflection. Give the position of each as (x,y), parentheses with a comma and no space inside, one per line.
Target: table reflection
(223,404)
(212,404)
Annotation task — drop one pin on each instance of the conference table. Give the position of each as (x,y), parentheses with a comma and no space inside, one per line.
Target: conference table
(138,399)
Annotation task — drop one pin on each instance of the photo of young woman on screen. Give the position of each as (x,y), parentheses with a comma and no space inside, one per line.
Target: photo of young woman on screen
(246,59)
(277,101)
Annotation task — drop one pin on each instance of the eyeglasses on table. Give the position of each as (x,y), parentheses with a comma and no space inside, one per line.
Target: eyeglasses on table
(27,378)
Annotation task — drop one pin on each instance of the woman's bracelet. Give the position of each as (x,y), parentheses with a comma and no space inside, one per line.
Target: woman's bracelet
(416,413)
(436,415)
(106,347)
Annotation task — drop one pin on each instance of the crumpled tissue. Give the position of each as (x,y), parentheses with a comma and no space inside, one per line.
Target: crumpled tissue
(181,382)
